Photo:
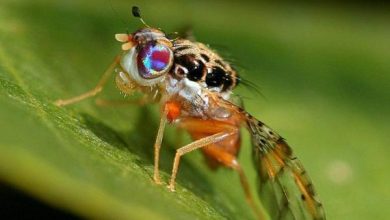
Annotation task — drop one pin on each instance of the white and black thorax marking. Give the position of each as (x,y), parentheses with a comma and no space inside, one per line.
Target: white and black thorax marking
(198,63)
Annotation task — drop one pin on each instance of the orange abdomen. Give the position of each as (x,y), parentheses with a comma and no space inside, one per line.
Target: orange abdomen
(220,153)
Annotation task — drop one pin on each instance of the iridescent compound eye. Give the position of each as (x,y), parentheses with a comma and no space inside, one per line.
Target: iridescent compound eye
(153,60)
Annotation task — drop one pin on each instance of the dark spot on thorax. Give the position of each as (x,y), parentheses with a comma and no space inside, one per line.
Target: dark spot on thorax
(195,68)
(219,78)
(215,77)
(205,57)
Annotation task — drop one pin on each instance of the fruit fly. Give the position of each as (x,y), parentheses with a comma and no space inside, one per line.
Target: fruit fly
(193,84)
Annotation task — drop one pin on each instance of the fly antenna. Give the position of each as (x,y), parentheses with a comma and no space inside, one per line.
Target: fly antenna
(137,13)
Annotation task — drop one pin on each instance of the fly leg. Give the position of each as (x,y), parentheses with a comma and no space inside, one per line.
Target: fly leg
(93,92)
(193,146)
(205,133)
(230,161)
(157,146)
(222,151)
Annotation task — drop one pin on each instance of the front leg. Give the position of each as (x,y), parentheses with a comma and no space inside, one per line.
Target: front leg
(157,146)
(93,92)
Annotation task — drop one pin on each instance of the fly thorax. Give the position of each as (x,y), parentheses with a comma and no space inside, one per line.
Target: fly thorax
(192,95)
(198,63)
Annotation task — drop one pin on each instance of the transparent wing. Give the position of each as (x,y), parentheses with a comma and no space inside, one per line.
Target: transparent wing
(285,188)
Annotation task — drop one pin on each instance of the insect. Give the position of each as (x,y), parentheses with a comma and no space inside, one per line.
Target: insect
(193,84)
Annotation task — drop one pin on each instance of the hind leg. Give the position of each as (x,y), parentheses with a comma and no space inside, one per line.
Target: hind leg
(223,151)
(203,142)
(228,160)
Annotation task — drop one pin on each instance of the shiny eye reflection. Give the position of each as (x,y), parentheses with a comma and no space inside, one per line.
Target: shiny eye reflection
(154,60)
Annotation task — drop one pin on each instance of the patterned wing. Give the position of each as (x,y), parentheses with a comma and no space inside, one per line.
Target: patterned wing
(286,190)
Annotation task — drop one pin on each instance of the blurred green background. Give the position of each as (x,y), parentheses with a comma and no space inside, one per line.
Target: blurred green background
(323,70)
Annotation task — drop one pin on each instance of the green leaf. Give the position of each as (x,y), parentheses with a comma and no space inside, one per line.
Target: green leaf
(318,68)
(94,161)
